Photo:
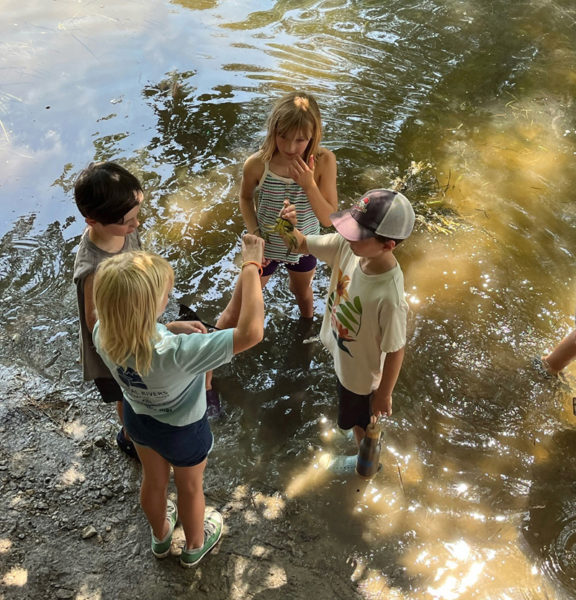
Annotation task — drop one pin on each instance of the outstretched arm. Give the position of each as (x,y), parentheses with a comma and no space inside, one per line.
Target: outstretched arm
(289,213)
(186,327)
(250,328)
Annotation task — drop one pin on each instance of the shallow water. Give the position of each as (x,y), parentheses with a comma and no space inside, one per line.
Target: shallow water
(475,499)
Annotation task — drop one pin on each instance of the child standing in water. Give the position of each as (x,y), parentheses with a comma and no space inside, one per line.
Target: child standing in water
(162,376)
(364,325)
(290,166)
(109,198)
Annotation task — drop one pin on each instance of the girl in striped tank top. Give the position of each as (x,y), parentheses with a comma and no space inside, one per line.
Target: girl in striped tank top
(289,168)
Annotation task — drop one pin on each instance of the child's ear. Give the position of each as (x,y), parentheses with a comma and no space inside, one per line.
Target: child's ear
(389,244)
(90,221)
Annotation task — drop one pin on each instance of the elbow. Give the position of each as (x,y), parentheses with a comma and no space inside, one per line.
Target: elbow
(256,336)
(248,339)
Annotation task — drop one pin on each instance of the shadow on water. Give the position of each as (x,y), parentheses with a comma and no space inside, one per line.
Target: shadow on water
(550,526)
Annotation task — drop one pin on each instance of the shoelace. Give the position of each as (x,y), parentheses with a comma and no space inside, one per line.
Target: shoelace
(209,529)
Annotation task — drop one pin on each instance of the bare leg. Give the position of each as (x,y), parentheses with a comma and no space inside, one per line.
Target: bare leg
(154,489)
(229,317)
(359,434)
(562,355)
(301,287)
(191,502)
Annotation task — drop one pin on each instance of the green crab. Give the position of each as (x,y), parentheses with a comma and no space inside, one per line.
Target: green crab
(284,229)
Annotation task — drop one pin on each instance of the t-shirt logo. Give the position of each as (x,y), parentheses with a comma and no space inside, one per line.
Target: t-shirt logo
(345,313)
(131,378)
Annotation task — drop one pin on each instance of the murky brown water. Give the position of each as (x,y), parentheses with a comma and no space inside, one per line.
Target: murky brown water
(476,498)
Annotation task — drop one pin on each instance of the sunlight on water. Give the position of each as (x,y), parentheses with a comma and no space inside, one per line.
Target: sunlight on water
(473,500)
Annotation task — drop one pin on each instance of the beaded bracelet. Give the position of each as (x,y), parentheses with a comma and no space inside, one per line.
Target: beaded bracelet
(253,262)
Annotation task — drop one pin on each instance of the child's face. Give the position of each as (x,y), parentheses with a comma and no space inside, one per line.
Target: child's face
(129,221)
(292,143)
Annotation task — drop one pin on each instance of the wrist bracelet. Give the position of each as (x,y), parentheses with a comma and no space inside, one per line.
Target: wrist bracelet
(253,262)
(256,231)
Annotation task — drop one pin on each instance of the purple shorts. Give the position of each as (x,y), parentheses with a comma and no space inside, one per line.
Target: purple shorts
(306,263)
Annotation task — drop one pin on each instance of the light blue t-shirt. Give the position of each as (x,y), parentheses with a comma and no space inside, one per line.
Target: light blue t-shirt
(174,390)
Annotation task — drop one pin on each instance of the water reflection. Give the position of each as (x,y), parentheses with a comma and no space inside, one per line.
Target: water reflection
(474,499)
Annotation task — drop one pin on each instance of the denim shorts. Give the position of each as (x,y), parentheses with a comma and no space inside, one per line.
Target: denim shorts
(184,446)
(306,263)
(353,409)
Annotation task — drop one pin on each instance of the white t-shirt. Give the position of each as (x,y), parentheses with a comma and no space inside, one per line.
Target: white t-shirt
(174,391)
(365,315)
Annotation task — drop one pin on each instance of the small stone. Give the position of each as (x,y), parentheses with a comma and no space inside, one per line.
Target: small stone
(88,532)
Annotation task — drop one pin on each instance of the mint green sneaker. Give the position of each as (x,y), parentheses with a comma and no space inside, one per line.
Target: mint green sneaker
(162,549)
(212,532)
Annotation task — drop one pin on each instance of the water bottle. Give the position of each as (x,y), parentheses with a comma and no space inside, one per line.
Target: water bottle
(368,461)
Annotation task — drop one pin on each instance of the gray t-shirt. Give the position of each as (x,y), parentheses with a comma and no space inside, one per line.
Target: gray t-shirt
(88,257)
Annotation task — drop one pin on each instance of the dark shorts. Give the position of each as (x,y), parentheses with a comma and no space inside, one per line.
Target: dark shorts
(306,263)
(185,446)
(109,389)
(353,409)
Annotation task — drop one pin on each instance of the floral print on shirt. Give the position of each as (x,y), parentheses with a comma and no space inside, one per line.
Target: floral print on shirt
(345,313)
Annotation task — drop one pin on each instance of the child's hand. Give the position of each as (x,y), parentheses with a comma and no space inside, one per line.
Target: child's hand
(186,327)
(302,173)
(289,213)
(381,405)
(252,248)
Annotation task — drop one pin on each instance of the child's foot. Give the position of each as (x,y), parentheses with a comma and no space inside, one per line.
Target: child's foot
(212,532)
(126,445)
(161,549)
(213,406)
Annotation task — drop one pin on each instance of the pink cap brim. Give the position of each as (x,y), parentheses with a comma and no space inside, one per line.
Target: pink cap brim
(347,226)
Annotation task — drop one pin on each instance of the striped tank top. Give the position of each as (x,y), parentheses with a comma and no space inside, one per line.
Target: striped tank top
(270,195)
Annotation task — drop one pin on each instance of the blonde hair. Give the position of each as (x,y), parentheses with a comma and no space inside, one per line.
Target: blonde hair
(296,111)
(128,289)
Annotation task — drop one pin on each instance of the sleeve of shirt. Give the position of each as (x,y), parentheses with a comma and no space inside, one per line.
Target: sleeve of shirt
(201,352)
(325,247)
(393,326)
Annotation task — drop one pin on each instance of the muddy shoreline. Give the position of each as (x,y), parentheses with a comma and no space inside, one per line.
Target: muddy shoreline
(72,526)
